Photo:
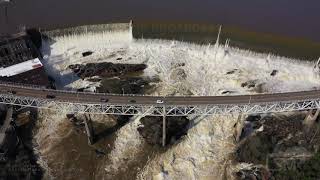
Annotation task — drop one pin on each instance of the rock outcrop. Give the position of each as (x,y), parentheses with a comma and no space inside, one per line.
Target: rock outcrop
(178,75)
(281,144)
(21,161)
(151,129)
(126,85)
(105,69)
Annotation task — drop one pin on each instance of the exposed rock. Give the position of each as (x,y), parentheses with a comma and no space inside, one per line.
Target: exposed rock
(278,141)
(177,65)
(87,53)
(254,118)
(151,129)
(99,152)
(233,71)
(249,84)
(292,158)
(23,118)
(180,89)
(105,69)
(253,173)
(127,85)
(227,92)
(178,75)
(21,162)
(260,88)
(274,72)
(308,169)
(103,125)
(94,79)
(78,119)
(253,85)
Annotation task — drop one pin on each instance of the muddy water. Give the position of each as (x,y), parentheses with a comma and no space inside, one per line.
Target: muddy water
(68,154)
(71,157)
(288,28)
(300,48)
(287,17)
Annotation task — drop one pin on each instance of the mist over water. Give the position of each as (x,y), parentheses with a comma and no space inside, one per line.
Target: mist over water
(183,68)
(293,18)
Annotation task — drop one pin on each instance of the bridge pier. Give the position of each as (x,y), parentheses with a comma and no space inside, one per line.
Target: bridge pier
(310,117)
(89,130)
(164,127)
(238,127)
(5,125)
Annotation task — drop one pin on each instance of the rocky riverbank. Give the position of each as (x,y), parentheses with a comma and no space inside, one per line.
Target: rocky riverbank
(126,79)
(20,162)
(103,125)
(105,69)
(151,129)
(279,146)
(128,85)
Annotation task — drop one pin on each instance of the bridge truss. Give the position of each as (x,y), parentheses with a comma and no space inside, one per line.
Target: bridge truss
(159,109)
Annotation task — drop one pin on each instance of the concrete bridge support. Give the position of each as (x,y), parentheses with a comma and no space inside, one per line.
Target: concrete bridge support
(164,127)
(89,129)
(6,124)
(238,127)
(311,117)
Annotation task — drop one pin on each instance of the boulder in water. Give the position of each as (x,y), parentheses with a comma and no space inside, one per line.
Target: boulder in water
(151,129)
(105,69)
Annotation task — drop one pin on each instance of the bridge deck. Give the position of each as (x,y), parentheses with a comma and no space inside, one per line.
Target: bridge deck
(137,104)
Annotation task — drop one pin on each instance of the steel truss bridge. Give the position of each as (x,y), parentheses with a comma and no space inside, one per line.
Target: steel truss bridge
(79,102)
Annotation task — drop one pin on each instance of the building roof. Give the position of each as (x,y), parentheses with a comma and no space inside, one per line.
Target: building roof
(20,68)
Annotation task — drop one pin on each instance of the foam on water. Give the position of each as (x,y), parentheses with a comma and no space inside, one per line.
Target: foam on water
(205,66)
(203,154)
(205,151)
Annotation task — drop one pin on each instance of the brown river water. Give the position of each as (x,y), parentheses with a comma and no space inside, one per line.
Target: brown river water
(294,18)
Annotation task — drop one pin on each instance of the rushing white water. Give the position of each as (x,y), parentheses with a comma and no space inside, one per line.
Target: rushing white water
(184,68)
(206,67)
(203,154)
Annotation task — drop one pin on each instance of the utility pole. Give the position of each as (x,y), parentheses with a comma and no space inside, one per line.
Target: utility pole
(217,43)
(218,37)
(89,129)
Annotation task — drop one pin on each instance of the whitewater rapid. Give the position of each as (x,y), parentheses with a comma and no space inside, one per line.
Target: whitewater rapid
(206,152)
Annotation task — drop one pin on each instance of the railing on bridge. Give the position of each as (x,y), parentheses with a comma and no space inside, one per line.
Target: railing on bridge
(148,109)
(158,110)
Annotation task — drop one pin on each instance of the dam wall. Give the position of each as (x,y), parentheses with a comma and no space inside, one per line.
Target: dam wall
(78,30)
